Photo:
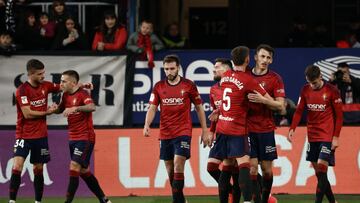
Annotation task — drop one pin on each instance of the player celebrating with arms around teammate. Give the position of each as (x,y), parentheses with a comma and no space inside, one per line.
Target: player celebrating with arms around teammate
(231,127)
(31,129)
(175,95)
(77,105)
(261,122)
(324,121)
(215,155)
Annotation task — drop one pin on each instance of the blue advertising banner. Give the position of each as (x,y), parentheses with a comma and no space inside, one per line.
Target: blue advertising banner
(197,65)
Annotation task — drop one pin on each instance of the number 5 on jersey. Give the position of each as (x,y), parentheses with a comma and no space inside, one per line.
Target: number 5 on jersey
(226,99)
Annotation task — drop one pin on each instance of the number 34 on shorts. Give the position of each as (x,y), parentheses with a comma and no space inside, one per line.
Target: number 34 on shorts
(19,143)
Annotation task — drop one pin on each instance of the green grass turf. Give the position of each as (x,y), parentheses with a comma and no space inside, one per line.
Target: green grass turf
(191,199)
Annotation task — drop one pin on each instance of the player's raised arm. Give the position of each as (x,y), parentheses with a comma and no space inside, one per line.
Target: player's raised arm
(150,115)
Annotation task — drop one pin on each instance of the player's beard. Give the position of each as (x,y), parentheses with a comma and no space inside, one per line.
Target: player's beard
(172,77)
(217,78)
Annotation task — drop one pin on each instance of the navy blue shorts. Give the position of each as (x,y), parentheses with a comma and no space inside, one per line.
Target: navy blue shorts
(227,146)
(80,152)
(38,149)
(320,150)
(177,146)
(263,146)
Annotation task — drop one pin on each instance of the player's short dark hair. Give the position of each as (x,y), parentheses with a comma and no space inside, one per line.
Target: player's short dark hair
(239,54)
(343,65)
(267,47)
(34,64)
(72,74)
(312,72)
(224,61)
(171,58)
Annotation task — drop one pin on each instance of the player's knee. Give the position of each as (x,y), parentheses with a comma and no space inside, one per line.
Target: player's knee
(267,172)
(18,165)
(253,170)
(179,167)
(75,166)
(38,166)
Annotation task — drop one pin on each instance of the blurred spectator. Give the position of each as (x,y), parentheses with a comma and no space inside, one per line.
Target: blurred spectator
(70,37)
(111,35)
(299,35)
(353,40)
(58,13)
(28,33)
(144,42)
(321,36)
(172,38)
(6,44)
(348,85)
(47,29)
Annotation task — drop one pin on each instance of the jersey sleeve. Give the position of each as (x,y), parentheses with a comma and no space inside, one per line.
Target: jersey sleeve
(299,110)
(154,97)
(279,89)
(22,98)
(194,95)
(337,106)
(86,98)
(62,103)
(53,87)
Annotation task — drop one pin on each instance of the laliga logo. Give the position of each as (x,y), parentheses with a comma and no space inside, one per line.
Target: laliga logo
(328,66)
(28,167)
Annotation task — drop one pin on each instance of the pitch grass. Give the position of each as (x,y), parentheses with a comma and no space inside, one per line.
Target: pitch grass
(191,199)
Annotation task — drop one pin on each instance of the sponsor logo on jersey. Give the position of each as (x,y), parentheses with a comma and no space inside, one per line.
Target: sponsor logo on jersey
(40,102)
(316,107)
(24,100)
(172,101)
(225,118)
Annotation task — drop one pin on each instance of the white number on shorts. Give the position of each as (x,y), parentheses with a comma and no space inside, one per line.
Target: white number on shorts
(226,99)
(19,142)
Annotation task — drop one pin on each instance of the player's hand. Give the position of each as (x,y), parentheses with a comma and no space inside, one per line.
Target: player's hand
(206,138)
(214,115)
(69,111)
(87,85)
(290,135)
(256,97)
(51,109)
(146,131)
(335,143)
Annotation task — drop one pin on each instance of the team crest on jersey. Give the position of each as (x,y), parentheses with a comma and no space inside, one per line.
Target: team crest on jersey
(263,83)
(43,92)
(324,96)
(182,92)
(74,101)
